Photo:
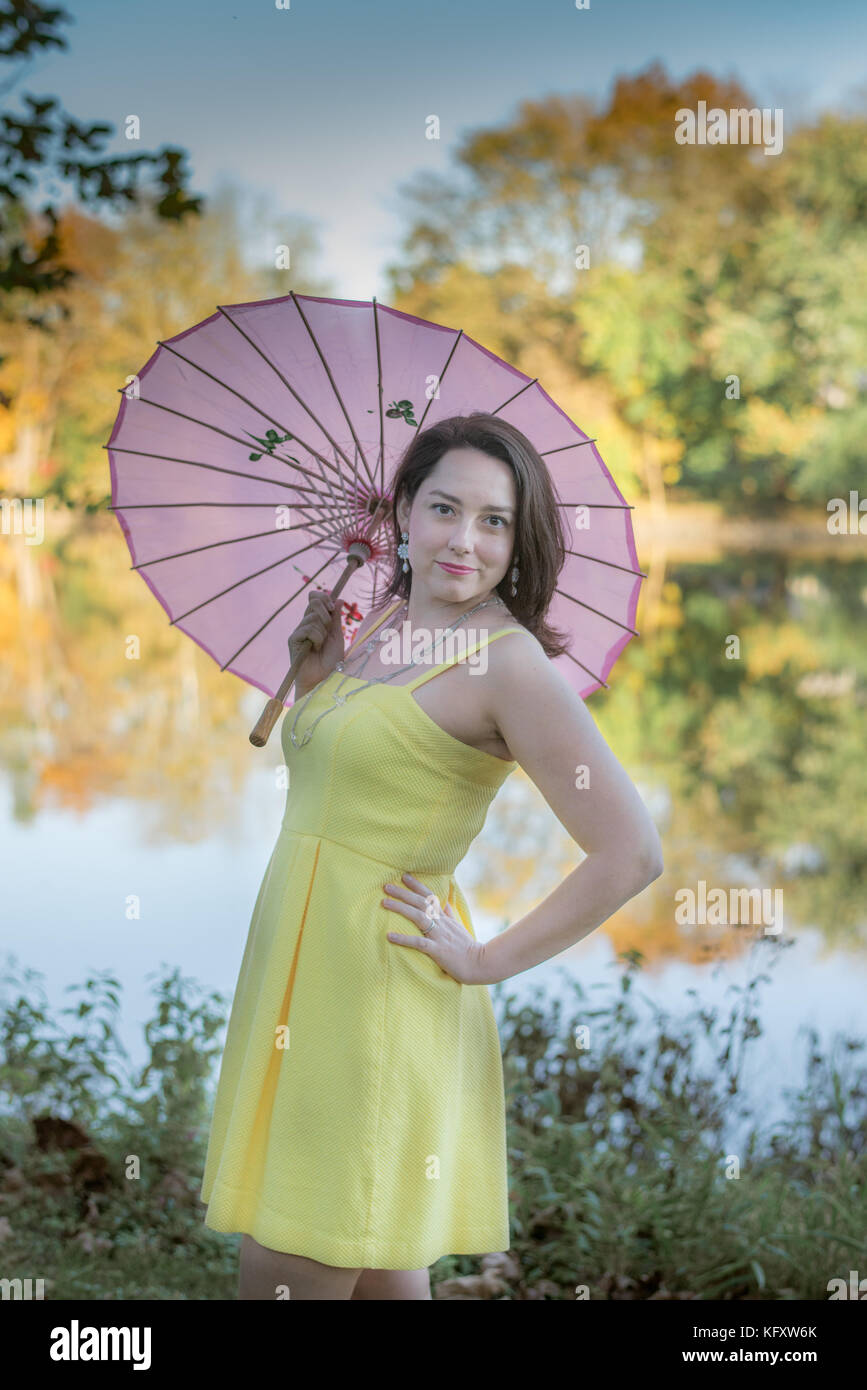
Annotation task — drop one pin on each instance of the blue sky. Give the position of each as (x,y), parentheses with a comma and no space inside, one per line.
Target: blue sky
(321,107)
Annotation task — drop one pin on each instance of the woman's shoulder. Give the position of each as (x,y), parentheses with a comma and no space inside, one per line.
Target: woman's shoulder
(517,647)
(506,623)
(514,625)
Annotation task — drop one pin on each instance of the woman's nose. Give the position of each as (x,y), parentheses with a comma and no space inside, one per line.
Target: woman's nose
(461,538)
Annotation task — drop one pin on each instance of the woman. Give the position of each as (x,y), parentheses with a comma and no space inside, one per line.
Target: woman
(359,1129)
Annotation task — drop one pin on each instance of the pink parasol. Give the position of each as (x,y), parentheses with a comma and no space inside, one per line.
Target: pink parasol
(251,459)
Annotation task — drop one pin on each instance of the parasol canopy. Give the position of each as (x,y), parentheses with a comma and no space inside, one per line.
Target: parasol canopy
(252,456)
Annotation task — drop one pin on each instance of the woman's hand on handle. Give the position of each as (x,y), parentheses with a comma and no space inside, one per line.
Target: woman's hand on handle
(322,625)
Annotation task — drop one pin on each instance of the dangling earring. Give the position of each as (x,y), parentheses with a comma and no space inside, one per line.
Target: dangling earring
(403,550)
(515,577)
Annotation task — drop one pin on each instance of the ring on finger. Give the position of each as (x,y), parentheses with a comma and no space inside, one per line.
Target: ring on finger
(431,912)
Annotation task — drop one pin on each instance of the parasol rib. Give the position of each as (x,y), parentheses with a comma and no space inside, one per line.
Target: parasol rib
(379,392)
(267,621)
(232,540)
(273,365)
(259,411)
(205,424)
(587,669)
(217,429)
(597,611)
(155,506)
(334,387)
(520,391)
(613,563)
(347,505)
(561,448)
(440,379)
(238,583)
(215,467)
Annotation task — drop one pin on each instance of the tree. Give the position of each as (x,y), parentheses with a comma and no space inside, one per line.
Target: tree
(715,315)
(46,141)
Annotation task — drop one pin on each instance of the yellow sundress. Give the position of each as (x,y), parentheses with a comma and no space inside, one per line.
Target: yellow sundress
(359,1117)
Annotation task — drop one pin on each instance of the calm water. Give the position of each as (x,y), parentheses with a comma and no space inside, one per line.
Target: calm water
(750,766)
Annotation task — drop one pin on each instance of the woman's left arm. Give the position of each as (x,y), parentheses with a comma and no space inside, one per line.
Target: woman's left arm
(551,733)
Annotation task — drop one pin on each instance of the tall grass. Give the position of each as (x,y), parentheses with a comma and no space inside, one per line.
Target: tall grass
(622,1183)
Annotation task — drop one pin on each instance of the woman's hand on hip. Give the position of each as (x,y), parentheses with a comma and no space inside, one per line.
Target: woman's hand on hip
(447,941)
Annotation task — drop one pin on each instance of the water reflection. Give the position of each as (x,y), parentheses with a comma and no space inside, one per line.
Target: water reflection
(740,714)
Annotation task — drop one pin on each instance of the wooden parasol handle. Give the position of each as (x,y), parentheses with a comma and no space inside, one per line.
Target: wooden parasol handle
(356,555)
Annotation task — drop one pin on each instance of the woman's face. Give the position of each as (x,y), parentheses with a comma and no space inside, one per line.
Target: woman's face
(463,515)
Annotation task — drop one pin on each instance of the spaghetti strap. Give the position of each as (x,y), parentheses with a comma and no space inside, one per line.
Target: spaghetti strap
(444,665)
(373,629)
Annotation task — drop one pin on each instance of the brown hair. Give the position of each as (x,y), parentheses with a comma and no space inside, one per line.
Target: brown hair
(540,543)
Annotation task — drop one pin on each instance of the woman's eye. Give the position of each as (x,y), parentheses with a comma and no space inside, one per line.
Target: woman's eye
(502,520)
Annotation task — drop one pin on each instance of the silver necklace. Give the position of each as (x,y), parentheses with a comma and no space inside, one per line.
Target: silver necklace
(380,636)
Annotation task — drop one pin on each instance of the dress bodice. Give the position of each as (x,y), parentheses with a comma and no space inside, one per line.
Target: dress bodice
(379,776)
